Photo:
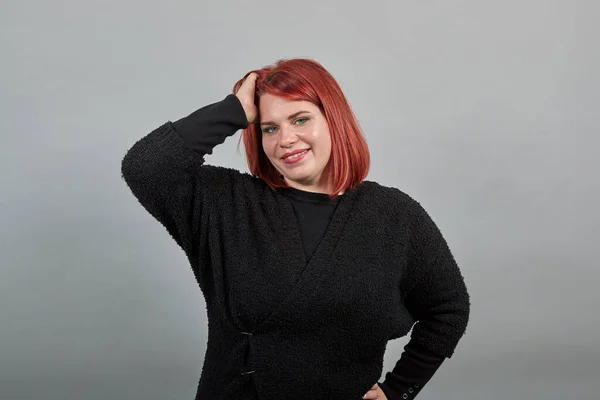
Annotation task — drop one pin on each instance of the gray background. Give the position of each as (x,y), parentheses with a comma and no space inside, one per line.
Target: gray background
(484,111)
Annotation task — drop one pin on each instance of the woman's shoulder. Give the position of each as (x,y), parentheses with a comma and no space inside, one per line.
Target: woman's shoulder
(398,206)
(389,196)
(220,173)
(228,182)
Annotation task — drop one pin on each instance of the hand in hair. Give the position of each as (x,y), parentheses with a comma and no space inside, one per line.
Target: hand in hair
(246,95)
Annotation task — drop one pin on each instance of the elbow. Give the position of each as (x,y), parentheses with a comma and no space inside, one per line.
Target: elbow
(137,162)
(129,169)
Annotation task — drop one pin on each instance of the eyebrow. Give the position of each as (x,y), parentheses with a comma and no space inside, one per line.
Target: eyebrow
(290,117)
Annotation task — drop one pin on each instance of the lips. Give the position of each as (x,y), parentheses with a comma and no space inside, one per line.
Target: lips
(291,153)
(296,158)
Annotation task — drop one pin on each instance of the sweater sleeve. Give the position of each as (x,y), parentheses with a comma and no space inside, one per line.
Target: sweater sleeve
(436,296)
(415,368)
(164,169)
(209,126)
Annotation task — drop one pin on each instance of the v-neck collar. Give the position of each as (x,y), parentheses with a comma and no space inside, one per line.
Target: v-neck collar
(293,237)
(318,268)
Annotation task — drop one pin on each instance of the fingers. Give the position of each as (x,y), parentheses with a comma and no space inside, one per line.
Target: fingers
(247,85)
(373,393)
(246,94)
(246,90)
(249,82)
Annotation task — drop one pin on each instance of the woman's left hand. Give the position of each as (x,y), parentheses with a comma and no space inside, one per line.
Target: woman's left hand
(375,393)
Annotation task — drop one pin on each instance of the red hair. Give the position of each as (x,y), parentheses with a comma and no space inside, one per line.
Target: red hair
(305,79)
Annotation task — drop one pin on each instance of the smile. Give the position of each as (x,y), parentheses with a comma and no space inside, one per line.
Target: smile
(295,157)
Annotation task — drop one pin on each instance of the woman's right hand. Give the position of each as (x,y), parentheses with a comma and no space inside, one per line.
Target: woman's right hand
(246,96)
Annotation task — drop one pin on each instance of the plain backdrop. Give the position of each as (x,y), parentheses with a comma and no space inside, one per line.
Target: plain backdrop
(484,111)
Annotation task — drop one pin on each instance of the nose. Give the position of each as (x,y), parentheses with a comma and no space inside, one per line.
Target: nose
(288,137)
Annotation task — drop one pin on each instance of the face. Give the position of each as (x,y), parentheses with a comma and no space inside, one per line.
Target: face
(296,126)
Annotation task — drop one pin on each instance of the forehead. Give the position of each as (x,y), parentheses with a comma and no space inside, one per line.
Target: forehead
(273,108)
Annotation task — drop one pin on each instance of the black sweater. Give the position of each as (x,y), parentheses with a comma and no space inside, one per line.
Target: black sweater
(210,126)
(313,212)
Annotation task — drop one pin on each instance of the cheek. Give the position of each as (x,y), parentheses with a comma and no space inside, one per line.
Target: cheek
(268,147)
(314,137)
(320,138)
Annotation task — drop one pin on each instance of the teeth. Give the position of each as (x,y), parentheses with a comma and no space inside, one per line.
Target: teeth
(295,155)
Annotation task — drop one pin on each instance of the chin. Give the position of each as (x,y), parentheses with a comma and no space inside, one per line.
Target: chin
(295,175)
(300,179)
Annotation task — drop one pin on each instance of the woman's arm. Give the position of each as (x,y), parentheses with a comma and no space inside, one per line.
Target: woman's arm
(435,294)
(416,367)
(165,171)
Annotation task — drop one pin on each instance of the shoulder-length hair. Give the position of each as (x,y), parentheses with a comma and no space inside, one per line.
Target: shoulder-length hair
(305,79)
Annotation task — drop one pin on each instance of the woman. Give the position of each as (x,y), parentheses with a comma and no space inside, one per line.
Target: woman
(307,269)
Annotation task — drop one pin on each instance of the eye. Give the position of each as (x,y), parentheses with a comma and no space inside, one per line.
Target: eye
(300,121)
